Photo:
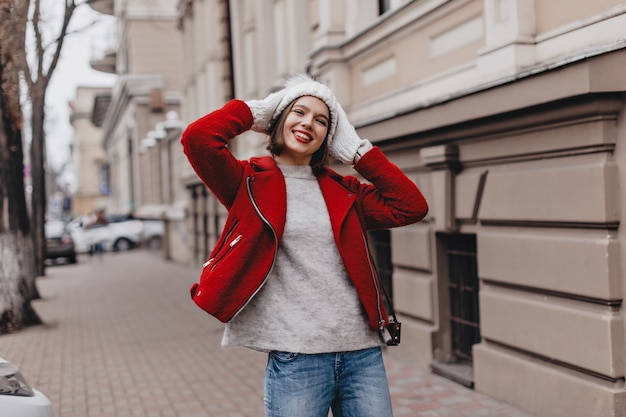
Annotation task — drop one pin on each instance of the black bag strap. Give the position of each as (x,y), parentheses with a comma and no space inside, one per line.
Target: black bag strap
(389,302)
(392,338)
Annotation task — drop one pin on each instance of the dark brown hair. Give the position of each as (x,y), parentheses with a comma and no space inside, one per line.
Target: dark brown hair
(276,145)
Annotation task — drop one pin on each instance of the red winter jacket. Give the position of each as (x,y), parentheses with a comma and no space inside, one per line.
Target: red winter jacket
(254,193)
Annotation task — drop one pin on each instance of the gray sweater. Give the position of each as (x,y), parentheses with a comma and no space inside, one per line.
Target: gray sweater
(308,304)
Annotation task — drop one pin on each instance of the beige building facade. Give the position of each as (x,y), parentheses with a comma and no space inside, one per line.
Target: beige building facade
(141,123)
(510,116)
(207,85)
(88,156)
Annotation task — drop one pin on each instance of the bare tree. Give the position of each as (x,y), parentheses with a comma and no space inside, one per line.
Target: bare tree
(22,240)
(17,279)
(38,72)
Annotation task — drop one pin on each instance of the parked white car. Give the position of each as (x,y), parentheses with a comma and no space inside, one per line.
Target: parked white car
(121,233)
(152,233)
(17,398)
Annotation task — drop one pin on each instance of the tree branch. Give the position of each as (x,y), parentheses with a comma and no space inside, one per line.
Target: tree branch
(70,6)
(38,40)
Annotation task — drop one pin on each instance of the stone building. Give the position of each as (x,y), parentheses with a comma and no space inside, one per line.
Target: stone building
(509,114)
(88,155)
(141,121)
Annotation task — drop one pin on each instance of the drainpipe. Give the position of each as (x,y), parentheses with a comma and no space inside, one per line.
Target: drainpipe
(231,65)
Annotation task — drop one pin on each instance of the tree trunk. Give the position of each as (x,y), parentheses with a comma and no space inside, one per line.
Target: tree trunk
(37,79)
(38,169)
(17,279)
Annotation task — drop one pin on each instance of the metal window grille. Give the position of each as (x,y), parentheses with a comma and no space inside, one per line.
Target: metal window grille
(463,293)
(205,224)
(194,222)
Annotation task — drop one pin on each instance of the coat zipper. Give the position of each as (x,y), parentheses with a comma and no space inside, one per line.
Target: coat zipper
(256,207)
(231,244)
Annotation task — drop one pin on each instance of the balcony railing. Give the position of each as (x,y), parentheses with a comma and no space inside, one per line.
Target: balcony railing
(105,63)
(104,49)
(102,6)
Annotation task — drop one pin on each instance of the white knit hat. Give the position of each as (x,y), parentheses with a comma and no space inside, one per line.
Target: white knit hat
(300,85)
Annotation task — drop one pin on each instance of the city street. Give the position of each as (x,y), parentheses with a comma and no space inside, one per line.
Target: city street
(122,338)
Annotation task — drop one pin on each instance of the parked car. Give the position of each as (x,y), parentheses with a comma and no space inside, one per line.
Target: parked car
(119,233)
(152,233)
(17,398)
(59,242)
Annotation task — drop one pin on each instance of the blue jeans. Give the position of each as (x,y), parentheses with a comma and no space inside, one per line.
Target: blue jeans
(352,384)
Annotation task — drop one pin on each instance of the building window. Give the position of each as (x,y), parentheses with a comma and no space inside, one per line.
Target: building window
(459,328)
(463,293)
(202,215)
(104,180)
(383,6)
(194,210)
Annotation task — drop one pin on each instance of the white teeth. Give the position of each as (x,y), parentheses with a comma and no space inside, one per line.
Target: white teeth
(302,136)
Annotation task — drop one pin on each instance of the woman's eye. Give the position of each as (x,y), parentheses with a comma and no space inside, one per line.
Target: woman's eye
(298,111)
(322,122)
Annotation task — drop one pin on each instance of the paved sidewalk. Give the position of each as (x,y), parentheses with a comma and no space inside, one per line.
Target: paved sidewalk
(122,338)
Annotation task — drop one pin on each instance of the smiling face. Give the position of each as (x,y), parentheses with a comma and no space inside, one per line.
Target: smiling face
(303,130)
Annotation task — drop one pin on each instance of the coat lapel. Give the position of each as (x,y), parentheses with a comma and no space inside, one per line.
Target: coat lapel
(269,192)
(338,199)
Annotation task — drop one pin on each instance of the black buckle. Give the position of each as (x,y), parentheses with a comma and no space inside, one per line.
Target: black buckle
(394,329)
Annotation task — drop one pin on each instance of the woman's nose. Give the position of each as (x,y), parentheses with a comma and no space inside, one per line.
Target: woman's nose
(307,121)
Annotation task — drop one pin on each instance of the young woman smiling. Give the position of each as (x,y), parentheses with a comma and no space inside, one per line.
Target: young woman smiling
(303,130)
(291,273)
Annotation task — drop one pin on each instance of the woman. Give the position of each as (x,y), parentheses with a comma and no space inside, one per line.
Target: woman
(291,274)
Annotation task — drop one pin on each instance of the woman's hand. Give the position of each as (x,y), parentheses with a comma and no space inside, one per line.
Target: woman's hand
(347,146)
(262,110)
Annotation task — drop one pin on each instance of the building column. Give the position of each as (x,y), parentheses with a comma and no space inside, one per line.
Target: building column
(330,24)
(509,35)
(443,159)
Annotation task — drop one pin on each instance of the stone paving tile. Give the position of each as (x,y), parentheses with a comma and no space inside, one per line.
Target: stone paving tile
(123,339)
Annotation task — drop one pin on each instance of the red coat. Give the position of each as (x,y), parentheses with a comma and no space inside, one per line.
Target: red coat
(254,193)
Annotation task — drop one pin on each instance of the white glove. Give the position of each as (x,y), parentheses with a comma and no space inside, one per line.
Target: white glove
(346,145)
(262,110)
